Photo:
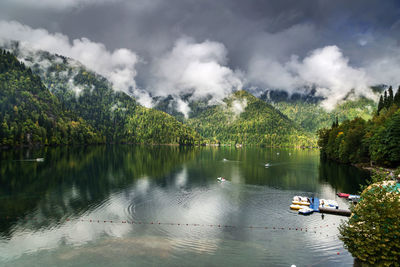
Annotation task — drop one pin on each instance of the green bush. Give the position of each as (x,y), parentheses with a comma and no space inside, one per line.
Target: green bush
(372,234)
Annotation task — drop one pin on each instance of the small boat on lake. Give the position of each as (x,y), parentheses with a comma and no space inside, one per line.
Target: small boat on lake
(221,179)
(328,203)
(343,195)
(353,197)
(296,207)
(306,211)
(299,200)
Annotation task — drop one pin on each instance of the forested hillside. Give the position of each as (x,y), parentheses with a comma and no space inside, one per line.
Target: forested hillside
(114,116)
(245,119)
(307,112)
(30,114)
(358,140)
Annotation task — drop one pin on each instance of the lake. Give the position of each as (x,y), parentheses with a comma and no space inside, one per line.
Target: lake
(128,205)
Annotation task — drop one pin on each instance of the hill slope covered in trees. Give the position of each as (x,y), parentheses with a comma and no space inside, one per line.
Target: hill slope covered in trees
(307,112)
(30,114)
(114,116)
(245,119)
(359,141)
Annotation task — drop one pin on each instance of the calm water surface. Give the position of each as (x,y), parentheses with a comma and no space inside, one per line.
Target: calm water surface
(58,212)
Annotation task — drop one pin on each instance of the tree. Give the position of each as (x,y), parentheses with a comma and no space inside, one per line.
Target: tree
(380,104)
(396,99)
(384,145)
(385,100)
(372,232)
(390,97)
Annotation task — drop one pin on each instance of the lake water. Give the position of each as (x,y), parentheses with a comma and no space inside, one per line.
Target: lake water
(163,206)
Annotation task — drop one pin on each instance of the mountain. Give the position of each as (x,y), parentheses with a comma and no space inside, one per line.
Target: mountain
(243,118)
(31,115)
(117,117)
(306,111)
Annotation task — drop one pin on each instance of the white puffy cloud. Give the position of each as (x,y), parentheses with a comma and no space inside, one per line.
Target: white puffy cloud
(329,71)
(182,107)
(325,68)
(193,68)
(117,66)
(238,106)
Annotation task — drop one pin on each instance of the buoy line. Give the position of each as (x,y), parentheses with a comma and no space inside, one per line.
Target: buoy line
(312,229)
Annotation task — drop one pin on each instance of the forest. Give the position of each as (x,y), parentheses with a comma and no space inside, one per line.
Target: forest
(245,119)
(359,141)
(48,99)
(31,114)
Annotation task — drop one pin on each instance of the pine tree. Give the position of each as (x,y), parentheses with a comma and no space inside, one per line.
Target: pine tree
(380,104)
(385,100)
(390,97)
(396,99)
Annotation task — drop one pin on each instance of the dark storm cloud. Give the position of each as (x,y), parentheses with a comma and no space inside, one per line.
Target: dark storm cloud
(157,23)
(269,42)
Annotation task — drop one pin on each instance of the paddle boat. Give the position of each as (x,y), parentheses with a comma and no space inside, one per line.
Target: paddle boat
(328,203)
(303,203)
(353,197)
(343,195)
(296,207)
(221,179)
(306,211)
(299,200)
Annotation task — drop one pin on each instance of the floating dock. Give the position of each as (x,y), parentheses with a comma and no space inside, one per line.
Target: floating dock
(315,204)
(331,210)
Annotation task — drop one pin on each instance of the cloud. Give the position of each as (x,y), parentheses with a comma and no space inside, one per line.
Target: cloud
(329,71)
(384,68)
(325,68)
(117,66)
(59,4)
(183,107)
(238,106)
(198,69)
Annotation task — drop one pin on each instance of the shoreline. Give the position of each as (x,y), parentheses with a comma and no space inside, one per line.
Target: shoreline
(371,169)
(368,167)
(8,147)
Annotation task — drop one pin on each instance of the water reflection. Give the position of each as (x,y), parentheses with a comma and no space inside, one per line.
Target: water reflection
(164,184)
(342,178)
(73,180)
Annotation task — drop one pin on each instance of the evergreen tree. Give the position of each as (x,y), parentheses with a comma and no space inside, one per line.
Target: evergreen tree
(396,99)
(380,104)
(390,97)
(385,100)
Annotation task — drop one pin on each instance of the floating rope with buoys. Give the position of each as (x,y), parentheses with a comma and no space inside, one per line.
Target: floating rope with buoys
(309,229)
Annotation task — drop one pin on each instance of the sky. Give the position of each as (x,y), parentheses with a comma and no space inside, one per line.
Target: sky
(212,48)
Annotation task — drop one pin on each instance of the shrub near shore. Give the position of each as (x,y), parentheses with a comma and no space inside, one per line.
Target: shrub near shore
(372,234)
